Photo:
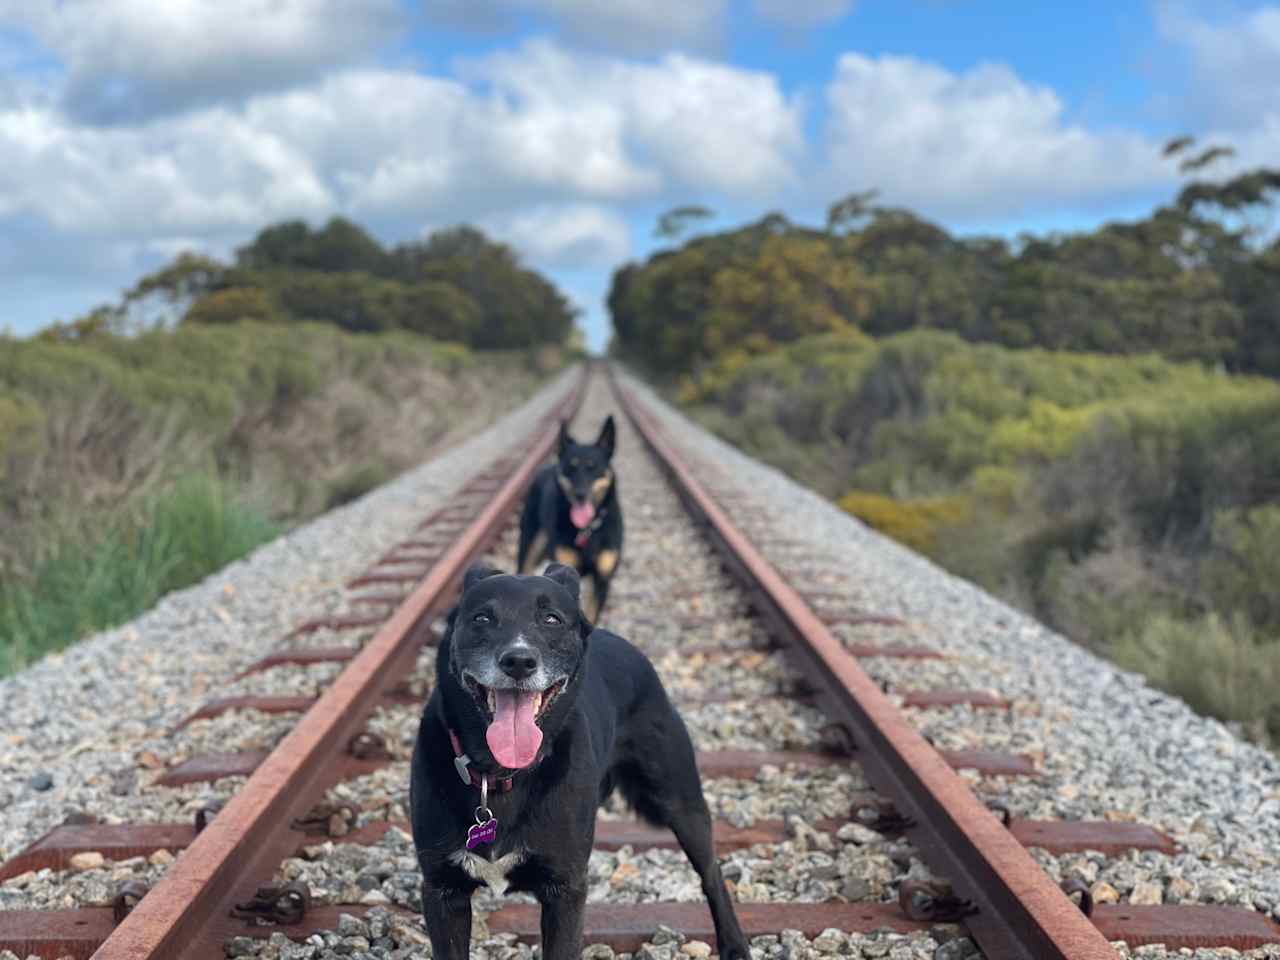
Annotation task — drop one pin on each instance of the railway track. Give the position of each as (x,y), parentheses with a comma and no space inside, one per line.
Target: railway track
(842,828)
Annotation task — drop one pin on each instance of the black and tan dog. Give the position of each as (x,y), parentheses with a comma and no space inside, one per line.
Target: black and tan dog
(535,719)
(572,516)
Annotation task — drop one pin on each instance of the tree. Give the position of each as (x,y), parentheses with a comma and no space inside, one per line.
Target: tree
(340,246)
(1195,280)
(189,276)
(848,211)
(1231,224)
(235,305)
(677,220)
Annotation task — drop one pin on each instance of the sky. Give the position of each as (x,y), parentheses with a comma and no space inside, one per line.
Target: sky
(132,130)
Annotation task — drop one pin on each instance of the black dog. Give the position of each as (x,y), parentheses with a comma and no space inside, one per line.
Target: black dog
(572,516)
(534,720)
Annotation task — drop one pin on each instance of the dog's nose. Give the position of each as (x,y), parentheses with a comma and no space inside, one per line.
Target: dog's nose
(519,663)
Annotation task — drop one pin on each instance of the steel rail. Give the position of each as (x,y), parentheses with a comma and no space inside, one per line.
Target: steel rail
(1020,912)
(246,841)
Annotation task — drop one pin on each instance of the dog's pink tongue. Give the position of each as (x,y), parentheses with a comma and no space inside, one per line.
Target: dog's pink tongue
(513,736)
(581,514)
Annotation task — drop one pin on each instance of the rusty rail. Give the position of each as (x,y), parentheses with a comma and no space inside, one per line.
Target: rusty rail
(1018,911)
(189,908)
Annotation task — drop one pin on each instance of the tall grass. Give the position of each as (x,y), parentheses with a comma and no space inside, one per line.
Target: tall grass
(1218,665)
(1129,502)
(131,466)
(96,575)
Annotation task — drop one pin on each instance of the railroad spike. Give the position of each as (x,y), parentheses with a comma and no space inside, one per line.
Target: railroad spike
(368,745)
(128,896)
(837,739)
(1075,887)
(205,814)
(932,902)
(326,820)
(879,814)
(283,905)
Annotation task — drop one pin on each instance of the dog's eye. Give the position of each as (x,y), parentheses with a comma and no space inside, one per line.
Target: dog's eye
(551,619)
(482,618)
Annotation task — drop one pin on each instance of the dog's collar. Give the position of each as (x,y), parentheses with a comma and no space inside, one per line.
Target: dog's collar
(583,535)
(462,763)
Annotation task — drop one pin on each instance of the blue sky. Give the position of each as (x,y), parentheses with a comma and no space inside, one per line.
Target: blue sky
(130,130)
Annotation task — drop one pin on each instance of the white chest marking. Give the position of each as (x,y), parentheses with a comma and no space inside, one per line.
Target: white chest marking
(492,872)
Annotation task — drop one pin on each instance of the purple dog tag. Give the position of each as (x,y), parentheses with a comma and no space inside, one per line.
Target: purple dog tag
(485,832)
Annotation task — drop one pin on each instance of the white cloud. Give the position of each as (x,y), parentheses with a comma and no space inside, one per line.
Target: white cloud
(704,125)
(550,150)
(1236,63)
(131,59)
(568,236)
(620,26)
(637,26)
(376,143)
(977,144)
(803,14)
(398,142)
(547,149)
(1229,89)
(204,172)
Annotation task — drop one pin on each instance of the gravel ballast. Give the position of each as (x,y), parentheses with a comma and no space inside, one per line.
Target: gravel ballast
(76,719)
(1109,745)
(663,553)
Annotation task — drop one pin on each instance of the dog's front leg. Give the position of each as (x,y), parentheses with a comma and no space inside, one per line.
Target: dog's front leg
(590,603)
(447,913)
(600,595)
(563,909)
(605,565)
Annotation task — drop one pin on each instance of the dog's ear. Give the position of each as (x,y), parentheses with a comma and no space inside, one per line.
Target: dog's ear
(567,577)
(477,573)
(605,441)
(564,439)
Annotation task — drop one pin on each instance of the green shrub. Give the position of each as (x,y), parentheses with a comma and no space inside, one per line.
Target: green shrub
(19,419)
(1216,664)
(1242,568)
(1098,493)
(125,462)
(100,573)
(236,305)
(356,483)
(914,523)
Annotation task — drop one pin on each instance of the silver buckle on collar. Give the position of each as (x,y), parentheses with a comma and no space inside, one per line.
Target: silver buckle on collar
(460,764)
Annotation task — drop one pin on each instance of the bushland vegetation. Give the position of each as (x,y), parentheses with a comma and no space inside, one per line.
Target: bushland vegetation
(1198,279)
(1131,502)
(130,466)
(152,441)
(456,285)
(1088,425)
